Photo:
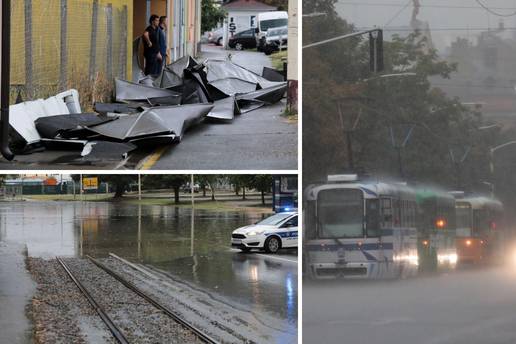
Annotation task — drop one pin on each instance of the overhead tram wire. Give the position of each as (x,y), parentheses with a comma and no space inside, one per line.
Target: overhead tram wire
(398,13)
(372,4)
(490,10)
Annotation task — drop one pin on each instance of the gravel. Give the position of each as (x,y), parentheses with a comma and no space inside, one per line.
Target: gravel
(140,321)
(59,311)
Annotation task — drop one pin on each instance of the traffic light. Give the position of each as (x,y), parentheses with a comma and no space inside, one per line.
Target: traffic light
(376,50)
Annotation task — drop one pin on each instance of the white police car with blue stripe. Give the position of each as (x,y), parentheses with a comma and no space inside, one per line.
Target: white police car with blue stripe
(271,234)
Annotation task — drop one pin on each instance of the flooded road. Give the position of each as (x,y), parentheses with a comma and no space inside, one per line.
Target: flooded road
(165,238)
(469,307)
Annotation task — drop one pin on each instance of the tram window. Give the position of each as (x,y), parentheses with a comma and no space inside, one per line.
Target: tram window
(340,213)
(386,211)
(373,217)
(310,223)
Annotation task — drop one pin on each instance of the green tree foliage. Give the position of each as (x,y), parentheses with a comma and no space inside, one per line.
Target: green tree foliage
(120,182)
(163,181)
(281,5)
(212,14)
(262,183)
(209,180)
(341,94)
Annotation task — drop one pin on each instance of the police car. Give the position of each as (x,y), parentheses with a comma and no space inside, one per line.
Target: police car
(271,234)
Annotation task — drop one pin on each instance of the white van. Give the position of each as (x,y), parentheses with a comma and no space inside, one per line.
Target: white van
(267,20)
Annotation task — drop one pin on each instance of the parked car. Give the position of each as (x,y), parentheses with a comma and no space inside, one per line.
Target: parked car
(186,188)
(216,36)
(271,234)
(243,40)
(267,21)
(276,39)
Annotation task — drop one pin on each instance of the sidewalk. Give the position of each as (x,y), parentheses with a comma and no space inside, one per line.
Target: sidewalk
(16,290)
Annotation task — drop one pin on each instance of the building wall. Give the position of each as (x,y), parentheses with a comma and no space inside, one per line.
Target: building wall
(56,46)
(292,73)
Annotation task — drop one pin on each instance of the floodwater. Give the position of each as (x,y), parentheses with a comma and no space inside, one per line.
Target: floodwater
(195,248)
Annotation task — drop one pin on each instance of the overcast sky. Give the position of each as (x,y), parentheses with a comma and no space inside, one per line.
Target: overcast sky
(443,16)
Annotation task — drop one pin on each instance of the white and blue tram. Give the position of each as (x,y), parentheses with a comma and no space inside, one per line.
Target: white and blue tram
(358,230)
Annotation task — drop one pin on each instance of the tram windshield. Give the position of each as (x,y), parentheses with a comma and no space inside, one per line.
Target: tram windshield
(340,213)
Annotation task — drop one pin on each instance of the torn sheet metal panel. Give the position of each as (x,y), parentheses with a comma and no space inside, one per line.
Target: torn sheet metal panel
(222,69)
(180,118)
(193,93)
(155,140)
(127,91)
(232,86)
(69,126)
(224,109)
(268,95)
(168,79)
(63,144)
(132,126)
(105,108)
(105,150)
(272,74)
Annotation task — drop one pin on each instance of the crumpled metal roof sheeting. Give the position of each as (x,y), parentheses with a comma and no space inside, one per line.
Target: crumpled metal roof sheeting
(231,86)
(223,69)
(129,91)
(224,109)
(69,126)
(155,121)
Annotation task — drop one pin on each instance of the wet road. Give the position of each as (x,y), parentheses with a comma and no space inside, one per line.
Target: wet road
(470,307)
(261,139)
(163,237)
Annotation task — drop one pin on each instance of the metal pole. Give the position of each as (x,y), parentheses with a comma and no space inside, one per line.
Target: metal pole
(81,191)
(192,217)
(5,78)
(139,187)
(354,34)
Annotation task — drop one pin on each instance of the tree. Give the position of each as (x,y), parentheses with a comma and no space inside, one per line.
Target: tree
(262,183)
(120,182)
(211,15)
(209,180)
(343,91)
(174,181)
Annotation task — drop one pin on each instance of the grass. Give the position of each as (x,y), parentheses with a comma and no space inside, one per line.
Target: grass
(199,204)
(278,58)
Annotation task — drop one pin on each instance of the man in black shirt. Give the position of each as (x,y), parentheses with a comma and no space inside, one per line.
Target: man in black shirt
(151,45)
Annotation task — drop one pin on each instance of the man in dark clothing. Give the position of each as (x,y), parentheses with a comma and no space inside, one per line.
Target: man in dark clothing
(163,38)
(152,50)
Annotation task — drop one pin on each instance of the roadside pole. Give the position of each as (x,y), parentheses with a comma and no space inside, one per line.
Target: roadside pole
(81,191)
(192,216)
(139,187)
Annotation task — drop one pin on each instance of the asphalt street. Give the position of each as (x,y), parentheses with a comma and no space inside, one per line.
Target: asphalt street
(465,307)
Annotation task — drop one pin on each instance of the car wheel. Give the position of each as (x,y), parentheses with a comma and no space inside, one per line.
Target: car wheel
(245,249)
(239,46)
(219,41)
(272,244)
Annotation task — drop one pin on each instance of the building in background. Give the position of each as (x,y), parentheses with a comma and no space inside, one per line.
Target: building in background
(242,14)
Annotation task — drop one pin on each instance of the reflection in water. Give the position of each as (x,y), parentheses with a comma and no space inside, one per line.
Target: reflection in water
(188,244)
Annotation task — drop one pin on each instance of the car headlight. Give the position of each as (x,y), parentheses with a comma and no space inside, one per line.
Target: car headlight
(255,233)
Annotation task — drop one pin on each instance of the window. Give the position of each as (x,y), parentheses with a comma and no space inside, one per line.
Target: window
(340,213)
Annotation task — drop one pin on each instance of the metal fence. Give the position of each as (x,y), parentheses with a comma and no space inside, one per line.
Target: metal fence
(61,44)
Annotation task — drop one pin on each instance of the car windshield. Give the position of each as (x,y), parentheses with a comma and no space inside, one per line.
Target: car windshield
(340,213)
(272,23)
(274,219)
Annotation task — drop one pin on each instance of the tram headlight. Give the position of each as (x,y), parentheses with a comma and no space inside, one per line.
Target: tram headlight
(468,242)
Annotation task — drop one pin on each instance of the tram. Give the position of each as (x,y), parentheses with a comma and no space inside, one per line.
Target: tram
(360,230)
(479,234)
(436,230)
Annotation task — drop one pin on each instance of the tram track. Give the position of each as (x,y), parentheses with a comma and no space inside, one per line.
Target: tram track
(131,315)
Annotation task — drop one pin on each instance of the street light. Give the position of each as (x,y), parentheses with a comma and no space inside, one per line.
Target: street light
(491,159)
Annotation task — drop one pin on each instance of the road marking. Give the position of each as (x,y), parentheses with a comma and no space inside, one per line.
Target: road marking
(274,257)
(152,159)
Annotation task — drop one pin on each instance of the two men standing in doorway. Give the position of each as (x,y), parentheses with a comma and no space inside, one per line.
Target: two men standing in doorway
(155,45)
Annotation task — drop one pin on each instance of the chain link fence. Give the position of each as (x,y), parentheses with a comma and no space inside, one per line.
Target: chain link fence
(62,44)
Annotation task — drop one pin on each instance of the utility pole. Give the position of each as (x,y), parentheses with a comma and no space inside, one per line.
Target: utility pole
(139,187)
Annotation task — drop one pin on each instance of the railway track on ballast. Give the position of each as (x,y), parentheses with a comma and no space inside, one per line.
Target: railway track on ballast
(129,313)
